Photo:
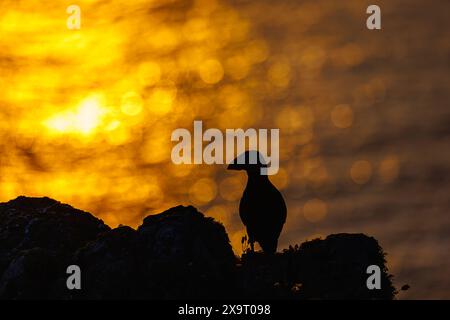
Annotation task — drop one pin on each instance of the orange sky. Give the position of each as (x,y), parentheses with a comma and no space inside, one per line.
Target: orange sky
(86,115)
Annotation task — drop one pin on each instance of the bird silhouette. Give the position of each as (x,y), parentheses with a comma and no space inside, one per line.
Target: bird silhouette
(262,208)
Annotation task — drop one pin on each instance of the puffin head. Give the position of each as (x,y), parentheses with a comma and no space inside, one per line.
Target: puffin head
(250,161)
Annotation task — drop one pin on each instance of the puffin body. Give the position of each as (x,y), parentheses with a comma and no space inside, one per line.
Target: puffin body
(262,208)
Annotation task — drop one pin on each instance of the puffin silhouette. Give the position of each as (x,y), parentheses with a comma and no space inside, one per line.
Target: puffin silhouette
(262,208)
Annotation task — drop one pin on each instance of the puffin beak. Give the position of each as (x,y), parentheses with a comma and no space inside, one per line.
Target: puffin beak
(233,166)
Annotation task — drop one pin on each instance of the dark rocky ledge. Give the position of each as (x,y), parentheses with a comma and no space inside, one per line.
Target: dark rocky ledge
(175,254)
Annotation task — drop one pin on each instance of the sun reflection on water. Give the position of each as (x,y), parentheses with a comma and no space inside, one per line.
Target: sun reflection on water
(86,115)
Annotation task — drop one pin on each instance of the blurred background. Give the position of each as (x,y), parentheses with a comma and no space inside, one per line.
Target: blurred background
(86,115)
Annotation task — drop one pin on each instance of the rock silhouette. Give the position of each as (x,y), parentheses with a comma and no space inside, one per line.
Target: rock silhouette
(38,237)
(177,254)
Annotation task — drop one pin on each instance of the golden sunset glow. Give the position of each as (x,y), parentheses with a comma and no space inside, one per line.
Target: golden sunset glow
(86,115)
(94,108)
(83,120)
